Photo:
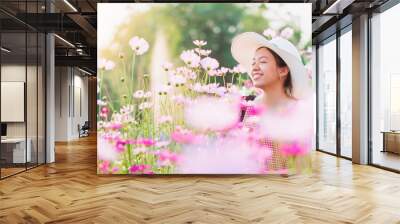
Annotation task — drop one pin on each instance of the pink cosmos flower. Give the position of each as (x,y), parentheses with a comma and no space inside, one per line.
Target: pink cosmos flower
(255,110)
(190,58)
(134,168)
(120,145)
(145,141)
(139,168)
(166,158)
(104,166)
(114,170)
(104,112)
(209,63)
(185,136)
(294,149)
(115,125)
(248,84)
(139,45)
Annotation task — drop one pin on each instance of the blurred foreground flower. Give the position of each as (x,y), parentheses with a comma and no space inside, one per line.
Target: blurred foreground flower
(294,149)
(287,33)
(223,156)
(270,33)
(213,113)
(106,64)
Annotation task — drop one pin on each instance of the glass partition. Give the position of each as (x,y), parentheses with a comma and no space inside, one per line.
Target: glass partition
(327,96)
(385,89)
(346,94)
(13,103)
(22,77)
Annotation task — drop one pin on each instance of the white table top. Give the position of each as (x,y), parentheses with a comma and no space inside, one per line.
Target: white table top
(13,140)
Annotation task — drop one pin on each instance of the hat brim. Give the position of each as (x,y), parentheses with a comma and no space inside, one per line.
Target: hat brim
(245,45)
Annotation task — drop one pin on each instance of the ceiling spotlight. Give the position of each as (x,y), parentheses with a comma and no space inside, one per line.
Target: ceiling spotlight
(84,71)
(5,50)
(70,5)
(64,40)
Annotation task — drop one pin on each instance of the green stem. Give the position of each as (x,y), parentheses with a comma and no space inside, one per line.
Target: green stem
(133,71)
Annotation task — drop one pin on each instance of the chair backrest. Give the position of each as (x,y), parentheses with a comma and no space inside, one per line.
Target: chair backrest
(86,124)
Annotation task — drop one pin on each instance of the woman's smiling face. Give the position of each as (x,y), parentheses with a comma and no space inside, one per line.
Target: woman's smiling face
(265,71)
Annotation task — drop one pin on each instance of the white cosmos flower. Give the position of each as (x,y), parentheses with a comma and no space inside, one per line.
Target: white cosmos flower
(190,58)
(287,33)
(138,94)
(209,63)
(200,43)
(139,45)
(167,66)
(177,79)
(269,33)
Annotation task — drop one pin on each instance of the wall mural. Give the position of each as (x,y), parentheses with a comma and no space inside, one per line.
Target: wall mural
(222,88)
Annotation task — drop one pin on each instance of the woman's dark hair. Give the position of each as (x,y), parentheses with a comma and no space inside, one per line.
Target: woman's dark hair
(281,63)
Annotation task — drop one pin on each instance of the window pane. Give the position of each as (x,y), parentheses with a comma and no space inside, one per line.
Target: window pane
(327,97)
(386,89)
(346,94)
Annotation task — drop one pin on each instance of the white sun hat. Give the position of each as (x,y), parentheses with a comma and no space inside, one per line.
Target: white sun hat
(245,45)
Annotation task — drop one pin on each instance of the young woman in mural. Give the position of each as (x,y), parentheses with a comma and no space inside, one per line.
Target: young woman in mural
(285,120)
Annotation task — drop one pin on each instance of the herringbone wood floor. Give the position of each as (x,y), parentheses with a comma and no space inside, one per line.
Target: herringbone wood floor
(69,191)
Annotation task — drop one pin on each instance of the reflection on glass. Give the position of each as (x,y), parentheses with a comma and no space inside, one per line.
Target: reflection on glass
(346,94)
(327,97)
(13,85)
(31,97)
(386,89)
(41,98)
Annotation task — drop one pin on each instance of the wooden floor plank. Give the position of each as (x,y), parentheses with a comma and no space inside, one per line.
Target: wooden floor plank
(69,191)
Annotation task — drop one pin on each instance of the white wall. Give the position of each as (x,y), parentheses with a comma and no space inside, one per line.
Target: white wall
(70,83)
